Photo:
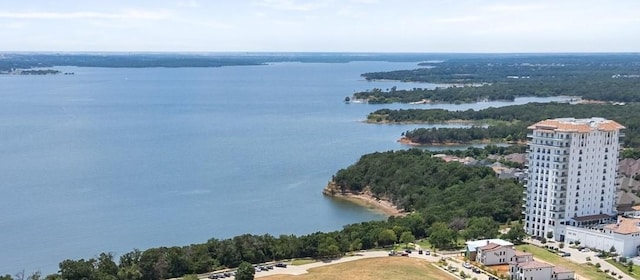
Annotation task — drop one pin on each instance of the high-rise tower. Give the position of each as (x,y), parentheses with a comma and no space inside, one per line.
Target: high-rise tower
(572,174)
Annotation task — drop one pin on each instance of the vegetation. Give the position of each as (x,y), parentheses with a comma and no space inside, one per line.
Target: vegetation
(12,61)
(245,271)
(375,268)
(629,268)
(414,180)
(601,77)
(511,121)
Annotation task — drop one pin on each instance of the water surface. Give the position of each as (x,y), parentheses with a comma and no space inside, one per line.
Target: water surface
(108,160)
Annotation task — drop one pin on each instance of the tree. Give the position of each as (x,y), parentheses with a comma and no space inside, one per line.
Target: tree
(441,236)
(106,267)
(190,277)
(6,277)
(78,270)
(406,238)
(328,247)
(131,272)
(612,249)
(245,271)
(516,233)
(630,266)
(387,237)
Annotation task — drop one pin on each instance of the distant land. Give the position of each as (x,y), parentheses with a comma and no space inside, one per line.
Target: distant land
(17,60)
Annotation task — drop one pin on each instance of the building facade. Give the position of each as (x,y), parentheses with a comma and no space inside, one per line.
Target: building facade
(571,177)
(494,254)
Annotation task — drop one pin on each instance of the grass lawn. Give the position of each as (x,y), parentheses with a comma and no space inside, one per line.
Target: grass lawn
(302,261)
(370,269)
(587,271)
(636,269)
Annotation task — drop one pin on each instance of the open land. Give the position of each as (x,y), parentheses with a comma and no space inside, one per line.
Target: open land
(374,268)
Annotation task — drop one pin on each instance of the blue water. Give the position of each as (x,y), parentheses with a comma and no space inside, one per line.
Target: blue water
(108,160)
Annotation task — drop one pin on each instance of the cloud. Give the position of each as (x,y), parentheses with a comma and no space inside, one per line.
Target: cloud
(463,19)
(514,8)
(129,14)
(12,25)
(293,5)
(188,4)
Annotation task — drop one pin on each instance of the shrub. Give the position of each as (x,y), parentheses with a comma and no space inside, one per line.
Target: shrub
(561,245)
(588,259)
(598,265)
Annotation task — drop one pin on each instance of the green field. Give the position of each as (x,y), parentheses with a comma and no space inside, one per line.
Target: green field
(398,268)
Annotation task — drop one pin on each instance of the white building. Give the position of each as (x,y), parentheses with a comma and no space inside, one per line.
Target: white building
(532,270)
(535,270)
(624,236)
(472,246)
(572,175)
(494,254)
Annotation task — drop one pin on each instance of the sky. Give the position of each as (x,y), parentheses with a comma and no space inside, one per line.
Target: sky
(320,26)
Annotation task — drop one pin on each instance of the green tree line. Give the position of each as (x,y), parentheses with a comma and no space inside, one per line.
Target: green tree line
(607,77)
(511,121)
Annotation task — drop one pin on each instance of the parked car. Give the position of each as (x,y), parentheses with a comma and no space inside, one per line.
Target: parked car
(476,270)
(404,254)
(407,251)
(420,251)
(427,252)
(585,250)
(281,265)
(466,265)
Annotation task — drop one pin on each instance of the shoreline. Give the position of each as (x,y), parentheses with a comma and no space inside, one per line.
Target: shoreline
(365,199)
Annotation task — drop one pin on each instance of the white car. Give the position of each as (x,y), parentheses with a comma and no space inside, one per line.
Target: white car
(466,265)
(585,250)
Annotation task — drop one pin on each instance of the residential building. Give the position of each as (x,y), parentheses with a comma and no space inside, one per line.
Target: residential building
(571,175)
(472,246)
(531,270)
(494,254)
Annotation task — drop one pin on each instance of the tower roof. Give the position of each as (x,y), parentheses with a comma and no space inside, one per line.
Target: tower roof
(577,125)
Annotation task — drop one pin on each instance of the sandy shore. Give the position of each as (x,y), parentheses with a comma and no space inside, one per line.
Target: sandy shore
(366,200)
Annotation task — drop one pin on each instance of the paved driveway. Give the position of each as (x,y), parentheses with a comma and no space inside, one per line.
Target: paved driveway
(581,258)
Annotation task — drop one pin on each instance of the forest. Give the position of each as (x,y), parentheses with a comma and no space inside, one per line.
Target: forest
(437,193)
(509,122)
(605,77)
(9,61)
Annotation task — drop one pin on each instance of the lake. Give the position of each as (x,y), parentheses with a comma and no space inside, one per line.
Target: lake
(108,160)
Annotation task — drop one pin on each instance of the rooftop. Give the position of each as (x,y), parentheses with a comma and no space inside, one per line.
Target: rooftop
(534,264)
(577,125)
(490,246)
(472,245)
(522,254)
(588,218)
(625,226)
(560,269)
